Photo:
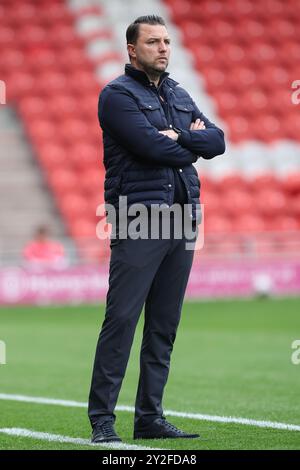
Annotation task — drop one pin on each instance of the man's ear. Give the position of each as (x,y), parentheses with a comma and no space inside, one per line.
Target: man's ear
(131,50)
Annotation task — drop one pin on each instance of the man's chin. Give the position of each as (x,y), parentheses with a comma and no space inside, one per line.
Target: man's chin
(160,68)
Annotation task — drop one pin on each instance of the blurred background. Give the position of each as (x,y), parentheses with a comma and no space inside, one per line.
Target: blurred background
(237,58)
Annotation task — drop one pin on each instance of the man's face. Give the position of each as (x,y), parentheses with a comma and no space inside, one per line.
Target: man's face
(152,50)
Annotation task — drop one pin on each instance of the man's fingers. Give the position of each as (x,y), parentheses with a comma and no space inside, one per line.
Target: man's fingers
(194,126)
(197,125)
(170,133)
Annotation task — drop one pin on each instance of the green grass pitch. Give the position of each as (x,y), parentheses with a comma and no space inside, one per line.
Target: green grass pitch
(231,358)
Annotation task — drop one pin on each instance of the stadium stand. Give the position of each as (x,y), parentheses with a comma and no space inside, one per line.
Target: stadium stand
(242,57)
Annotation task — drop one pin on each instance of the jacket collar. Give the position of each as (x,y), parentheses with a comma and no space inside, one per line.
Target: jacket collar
(141,76)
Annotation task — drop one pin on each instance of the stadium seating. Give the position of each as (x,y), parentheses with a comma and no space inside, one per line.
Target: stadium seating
(247,52)
(51,80)
(248,55)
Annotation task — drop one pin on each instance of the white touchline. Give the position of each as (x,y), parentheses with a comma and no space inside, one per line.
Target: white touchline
(45,436)
(179,414)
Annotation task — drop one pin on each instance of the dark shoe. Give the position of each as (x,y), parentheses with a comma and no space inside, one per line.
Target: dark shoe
(104,432)
(161,429)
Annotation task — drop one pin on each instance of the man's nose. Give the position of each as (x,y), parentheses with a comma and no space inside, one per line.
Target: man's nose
(162,47)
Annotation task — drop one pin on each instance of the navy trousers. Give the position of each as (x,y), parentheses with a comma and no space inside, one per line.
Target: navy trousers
(143,272)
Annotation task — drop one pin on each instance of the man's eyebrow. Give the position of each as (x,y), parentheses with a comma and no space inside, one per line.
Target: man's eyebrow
(153,37)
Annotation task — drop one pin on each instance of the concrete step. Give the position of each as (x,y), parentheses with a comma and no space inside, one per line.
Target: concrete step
(17,223)
(15,150)
(15,163)
(25,199)
(7,118)
(34,203)
(26,178)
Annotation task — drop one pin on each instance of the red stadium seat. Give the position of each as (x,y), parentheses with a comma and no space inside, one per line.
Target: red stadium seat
(294,206)
(74,205)
(237,202)
(83,228)
(249,223)
(266,127)
(51,83)
(217,223)
(12,60)
(254,102)
(62,181)
(96,200)
(207,183)
(41,130)
(270,202)
(53,157)
(63,34)
(292,125)
(228,102)
(180,8)
(54,13)
(240,78)
(274,77)
(32,107)
(20,85)
(77,60)
(30,35)
(73,130)
(7,37)
(283,223)
(84,155)
(211,201)
(81,82)
(232,181)
(22,13)
(90,180)
(239,128)
(63,107)
(263,182)
(248,53)
(291,183)
(41,59)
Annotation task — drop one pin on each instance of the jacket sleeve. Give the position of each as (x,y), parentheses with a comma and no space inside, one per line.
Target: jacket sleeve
(207,143)
(121,118)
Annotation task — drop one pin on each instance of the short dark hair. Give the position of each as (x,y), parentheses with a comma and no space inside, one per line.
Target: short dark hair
(132,32)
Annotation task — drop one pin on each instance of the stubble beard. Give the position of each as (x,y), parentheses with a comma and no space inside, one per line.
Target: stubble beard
(154,72)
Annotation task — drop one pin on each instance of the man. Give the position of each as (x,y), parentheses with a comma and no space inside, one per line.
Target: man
(43,252)
(152,133)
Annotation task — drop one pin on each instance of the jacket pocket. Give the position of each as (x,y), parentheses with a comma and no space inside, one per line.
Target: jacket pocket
(148,106)
(152,111)
(186,108)
(183,114)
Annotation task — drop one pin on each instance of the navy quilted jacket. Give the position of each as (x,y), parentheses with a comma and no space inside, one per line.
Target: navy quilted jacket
(139,161)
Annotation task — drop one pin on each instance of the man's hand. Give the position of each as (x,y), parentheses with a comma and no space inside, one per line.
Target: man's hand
(170,133)
(197,125)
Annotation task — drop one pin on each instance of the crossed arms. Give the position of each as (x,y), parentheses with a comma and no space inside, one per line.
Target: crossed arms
(121,118)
